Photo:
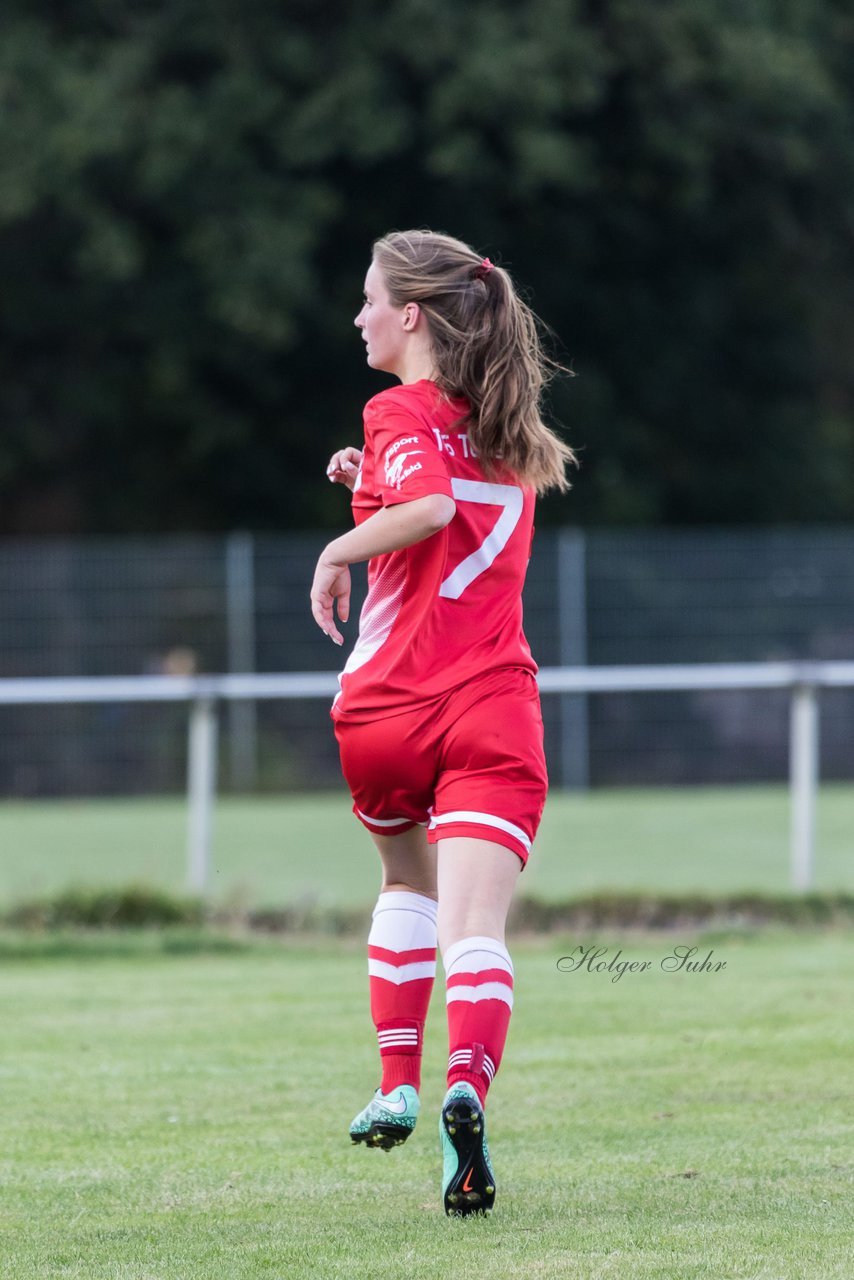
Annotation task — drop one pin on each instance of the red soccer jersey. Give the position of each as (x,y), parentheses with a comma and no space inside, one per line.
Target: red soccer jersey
(449,607)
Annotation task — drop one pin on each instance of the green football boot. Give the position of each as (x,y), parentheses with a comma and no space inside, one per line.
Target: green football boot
(468,1183)
(388,1119)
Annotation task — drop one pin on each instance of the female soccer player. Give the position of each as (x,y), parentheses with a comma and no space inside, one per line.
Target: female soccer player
(438,719)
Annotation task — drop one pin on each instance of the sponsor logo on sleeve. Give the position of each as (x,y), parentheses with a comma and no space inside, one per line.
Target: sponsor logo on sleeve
(397,461)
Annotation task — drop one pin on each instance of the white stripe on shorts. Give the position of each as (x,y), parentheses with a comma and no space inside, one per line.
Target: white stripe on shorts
(484,820)
(383,822)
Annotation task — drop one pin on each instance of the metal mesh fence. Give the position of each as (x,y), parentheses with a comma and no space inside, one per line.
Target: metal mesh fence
(716,596)
(209,604)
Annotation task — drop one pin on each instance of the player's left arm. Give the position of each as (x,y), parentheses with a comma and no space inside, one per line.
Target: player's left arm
(389,529)
(344,466)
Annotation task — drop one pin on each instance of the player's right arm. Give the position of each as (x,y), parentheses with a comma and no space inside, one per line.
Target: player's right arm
(389,529)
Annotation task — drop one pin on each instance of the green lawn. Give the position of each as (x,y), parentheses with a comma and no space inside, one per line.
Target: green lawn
(310,849)
(183,1117)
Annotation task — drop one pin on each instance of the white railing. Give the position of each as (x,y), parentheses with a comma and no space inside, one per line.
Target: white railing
(804,680)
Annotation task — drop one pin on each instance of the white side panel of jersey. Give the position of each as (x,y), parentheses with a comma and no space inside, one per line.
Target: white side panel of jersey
(378,616)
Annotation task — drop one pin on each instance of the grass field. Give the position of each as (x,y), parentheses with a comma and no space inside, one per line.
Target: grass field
(310,849)
(183,1117)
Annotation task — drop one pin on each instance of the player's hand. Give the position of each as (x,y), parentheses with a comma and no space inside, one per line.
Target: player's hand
(330,590)
(344,466)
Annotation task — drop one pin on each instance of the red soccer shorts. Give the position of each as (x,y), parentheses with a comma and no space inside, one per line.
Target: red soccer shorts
(471,764)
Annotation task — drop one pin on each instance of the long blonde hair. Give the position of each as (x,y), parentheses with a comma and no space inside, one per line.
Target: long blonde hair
(486,346)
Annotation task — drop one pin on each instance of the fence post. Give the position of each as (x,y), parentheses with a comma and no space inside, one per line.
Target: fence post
(201,791)
(803,776)
(572,651)
(240,631)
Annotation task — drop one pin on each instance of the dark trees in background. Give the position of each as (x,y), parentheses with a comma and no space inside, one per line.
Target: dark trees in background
(188,192)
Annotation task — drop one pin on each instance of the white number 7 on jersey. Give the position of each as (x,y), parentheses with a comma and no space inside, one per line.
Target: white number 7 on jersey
(507,496)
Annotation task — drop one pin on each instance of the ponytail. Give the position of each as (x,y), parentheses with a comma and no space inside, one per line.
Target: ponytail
(486,347)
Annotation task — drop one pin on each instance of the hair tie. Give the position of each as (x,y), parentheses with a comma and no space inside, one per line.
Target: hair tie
(482,269)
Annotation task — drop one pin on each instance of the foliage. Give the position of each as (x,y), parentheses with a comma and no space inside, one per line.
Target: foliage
(188,193)
(131,907)
(650,911)
(137,907)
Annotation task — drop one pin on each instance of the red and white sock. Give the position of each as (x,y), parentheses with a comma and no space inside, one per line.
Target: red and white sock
(479,976)
(402,966)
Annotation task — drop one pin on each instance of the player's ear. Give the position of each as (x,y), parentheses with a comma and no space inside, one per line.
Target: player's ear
(411,316)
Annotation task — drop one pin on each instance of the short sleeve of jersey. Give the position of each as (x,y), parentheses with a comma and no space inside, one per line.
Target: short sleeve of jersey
(408,462)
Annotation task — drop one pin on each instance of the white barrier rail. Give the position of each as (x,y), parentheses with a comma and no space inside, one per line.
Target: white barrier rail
(804,680)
